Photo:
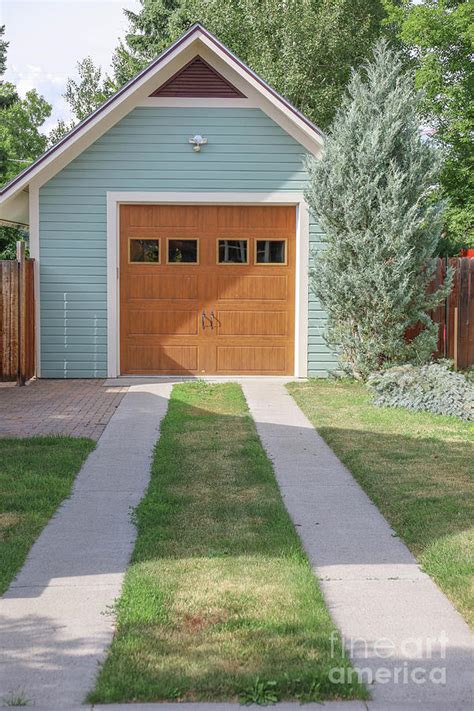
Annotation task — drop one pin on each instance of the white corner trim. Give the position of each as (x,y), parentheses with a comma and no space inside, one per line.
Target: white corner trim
(115,199)
(301,290)
(34,245)
(113,291)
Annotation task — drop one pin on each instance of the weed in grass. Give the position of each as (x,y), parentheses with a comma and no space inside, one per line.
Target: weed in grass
(263,693)
(311,695)
(16,698)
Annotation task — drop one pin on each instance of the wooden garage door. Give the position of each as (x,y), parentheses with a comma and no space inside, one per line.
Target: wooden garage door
(207,289)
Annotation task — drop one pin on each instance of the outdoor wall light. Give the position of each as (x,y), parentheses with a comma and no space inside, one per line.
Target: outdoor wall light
(197,142)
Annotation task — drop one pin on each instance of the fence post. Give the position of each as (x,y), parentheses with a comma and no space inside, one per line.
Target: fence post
(20,258)
(456,337)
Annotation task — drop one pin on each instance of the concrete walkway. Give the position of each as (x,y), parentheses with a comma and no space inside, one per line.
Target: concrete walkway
(391,614)
(53,619)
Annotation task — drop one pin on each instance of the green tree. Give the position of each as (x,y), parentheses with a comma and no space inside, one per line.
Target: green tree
(151,30)
(3,51)
(90,91)
(83,95)
(20,139)
(439,35)
(372,193)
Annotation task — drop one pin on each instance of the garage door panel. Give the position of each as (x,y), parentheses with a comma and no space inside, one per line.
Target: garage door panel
(165,359)
(252,323)
(252,217)
(251,359)
(174,217)
(167,322)
(263,288)
(158,285)
(138,218)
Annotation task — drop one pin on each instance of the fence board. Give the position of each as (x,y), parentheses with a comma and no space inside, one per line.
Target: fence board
(462,298)
(17,315)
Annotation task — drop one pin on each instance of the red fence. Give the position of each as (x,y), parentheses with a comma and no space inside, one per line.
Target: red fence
(456,315)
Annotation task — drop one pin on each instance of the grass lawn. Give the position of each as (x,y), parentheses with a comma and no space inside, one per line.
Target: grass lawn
(36,474)
(418,469)
(220,601)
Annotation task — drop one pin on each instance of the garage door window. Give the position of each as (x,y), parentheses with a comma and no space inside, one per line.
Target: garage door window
(183,251)
(232,251)
(144,250)
(270,251)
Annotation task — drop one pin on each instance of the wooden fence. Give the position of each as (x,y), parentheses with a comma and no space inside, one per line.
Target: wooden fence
(456,315)
(17,318)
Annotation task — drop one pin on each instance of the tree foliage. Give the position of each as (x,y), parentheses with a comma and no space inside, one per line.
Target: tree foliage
(372,194)
(151,30)
(439,35)
(83,95)
(3,51)
(20,139)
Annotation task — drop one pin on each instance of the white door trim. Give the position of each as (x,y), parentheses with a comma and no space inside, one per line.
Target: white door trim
(115,199)
(34,247)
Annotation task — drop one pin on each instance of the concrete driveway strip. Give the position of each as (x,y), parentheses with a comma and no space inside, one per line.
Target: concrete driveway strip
(53,619)
(400,630)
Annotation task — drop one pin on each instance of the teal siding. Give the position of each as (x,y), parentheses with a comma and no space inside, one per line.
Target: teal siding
(321,359)
(146,151)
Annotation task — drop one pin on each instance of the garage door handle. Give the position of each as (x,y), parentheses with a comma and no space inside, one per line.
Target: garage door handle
(203,320)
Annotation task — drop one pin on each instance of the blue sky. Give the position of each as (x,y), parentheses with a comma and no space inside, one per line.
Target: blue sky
(48,37)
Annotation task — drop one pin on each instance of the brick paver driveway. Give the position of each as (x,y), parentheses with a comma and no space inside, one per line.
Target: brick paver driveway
(79,408)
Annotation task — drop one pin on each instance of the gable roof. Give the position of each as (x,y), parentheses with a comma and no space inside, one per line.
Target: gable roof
(113,109)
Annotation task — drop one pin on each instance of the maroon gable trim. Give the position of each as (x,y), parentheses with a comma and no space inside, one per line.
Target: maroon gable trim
(198,79)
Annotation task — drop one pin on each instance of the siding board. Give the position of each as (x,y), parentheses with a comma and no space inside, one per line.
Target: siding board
(149,150)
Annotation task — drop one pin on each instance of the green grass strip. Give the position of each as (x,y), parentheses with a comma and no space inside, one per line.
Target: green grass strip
(36,475)
(418,468)
(220,601)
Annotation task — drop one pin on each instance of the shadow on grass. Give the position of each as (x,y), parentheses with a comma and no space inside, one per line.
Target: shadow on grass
(424,486)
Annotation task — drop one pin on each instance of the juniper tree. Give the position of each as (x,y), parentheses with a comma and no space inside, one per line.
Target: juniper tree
(371,192)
